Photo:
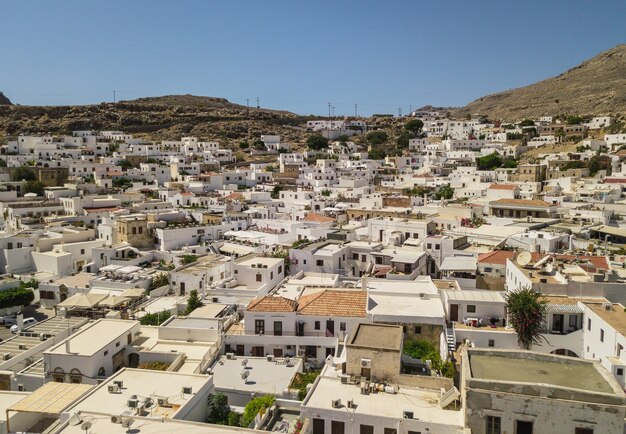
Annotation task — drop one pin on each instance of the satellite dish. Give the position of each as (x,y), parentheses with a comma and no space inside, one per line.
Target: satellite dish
(245,375)
(523,259)
(75,420)
(86,426)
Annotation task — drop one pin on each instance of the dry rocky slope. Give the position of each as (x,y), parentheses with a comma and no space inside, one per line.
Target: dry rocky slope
(4,100)
(158,118)
(595,87)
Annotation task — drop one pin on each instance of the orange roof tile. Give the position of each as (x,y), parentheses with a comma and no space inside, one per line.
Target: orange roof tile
(334,303)
(318,218)
(521,202)
(272,304)
(497,257)
(502,187)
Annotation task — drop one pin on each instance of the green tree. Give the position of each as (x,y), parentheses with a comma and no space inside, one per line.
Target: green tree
(16,297)
(159,280)
(36,187)
(24,173)
(444,192)
(527,123)
(3,163)
(326,192)
(376,154)
(124,164)
(414,126)
(403,140)
(193,302)
(573,120)
(424,350)
(526,308)
(317,142)
(376,137)
(218,410)
(259,145)
(599,162)
(275,194)
(489,162)
(253,408)
(509,163)
(244,145)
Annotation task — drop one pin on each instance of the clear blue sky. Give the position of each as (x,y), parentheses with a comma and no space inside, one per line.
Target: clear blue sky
(296,55)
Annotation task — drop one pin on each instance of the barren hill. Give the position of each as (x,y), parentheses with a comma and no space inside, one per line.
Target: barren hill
(158,118)
(4,100)
(595,87)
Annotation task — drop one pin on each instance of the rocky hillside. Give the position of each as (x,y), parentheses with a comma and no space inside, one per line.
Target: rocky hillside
(595,87)
(4,100)
(159,118)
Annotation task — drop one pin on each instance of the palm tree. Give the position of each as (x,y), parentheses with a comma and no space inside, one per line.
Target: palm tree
(527,309)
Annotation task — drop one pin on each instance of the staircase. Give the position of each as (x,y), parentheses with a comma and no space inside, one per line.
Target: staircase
(451,337)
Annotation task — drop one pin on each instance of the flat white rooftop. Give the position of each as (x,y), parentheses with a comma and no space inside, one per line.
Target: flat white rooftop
(92,339)
(422,402)
(405,308)
(264,377)
(143,384)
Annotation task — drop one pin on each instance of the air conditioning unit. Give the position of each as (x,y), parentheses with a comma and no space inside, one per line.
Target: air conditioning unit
(163,402)
(607,306)
(407,414)
(7,356)
(345,379)
(336,403)
(366,363)
(116,419)
(132,403)
(270,358)
(230,356)
(350,404)
(187,390)
(119,383)
(113,388)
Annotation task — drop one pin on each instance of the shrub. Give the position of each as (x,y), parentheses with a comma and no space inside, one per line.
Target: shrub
(24,173)
(193,302)
(424,350)
(155,319)
(376,137)
(154,366)
(317,142)
(254,407)
(189,258)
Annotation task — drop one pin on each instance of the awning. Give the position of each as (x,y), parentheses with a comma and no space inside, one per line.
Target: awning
(128,269)
(111,267)
(133,293)
(113,301)
(82,301)
(563,308)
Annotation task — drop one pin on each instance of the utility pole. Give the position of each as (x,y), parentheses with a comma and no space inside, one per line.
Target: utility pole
(258,106)
(329,109)
(355,106)
(114,97)
(333,111)
(399,111)
(247,104)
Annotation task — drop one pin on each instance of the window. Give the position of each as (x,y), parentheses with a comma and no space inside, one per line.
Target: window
(620,371)
(259,326)
(106,352)
(588,323)
(471,308)
(319,263)
(259,278)
(601,335)
(363,258)
(278,328)
(82,251)
(342,326)
(494,424)
(317,325)
(418,330)
(280,269)
(366,429)
(390,431)
(429,246)
(318,426)
(573,321)
(491,343)
(271,275)
(523,427)
(583,431)
(355,256)
(337,427)
(437,246)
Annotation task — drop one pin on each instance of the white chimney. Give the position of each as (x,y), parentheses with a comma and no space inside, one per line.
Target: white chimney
(364,282)
(67,346)
(19,320)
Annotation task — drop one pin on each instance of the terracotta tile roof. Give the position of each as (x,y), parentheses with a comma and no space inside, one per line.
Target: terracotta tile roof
(336,302)
(502,187)
(521,202)
(615,180)
(103,209)
(497,257)
(234,196)
(318,218)
(272,304)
